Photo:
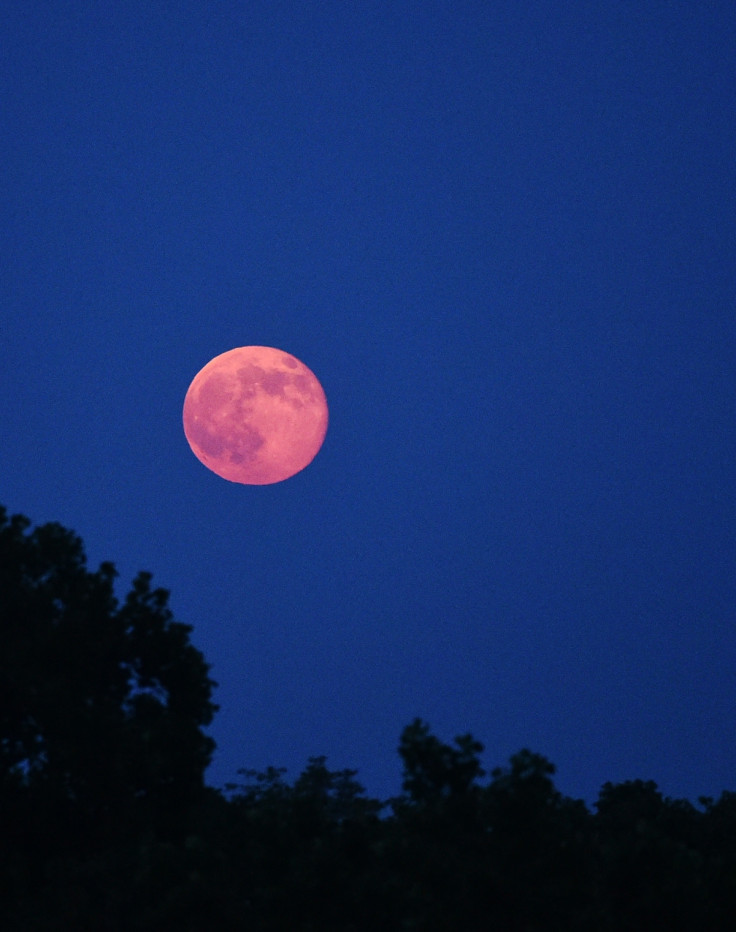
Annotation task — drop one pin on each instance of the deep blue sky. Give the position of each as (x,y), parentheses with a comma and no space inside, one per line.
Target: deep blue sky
(502,235)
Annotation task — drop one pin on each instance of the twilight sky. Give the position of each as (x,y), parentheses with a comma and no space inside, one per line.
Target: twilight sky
(503,237)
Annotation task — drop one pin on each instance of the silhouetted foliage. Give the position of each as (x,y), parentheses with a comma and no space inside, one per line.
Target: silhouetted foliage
(106,824)
(102,707)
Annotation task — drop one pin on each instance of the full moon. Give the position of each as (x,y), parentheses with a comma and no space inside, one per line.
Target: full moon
(255,415)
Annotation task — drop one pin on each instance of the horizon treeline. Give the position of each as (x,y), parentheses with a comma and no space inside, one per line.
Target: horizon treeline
(107,823)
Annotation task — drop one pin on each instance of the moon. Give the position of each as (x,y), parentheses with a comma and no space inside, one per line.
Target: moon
(255,415)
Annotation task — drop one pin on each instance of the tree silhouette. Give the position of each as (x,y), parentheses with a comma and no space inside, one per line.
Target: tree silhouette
(306,850)
(651,857)
(102,708)
(106,822)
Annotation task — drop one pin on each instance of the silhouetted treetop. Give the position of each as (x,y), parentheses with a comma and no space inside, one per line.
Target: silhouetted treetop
(101,704)
(433,769)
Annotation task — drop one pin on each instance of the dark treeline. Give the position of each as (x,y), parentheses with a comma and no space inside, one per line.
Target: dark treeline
(106,822)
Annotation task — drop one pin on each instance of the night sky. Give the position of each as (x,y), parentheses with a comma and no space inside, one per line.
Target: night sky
(502,235)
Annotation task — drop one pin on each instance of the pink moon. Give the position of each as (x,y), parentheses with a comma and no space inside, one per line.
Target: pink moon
(255,415)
